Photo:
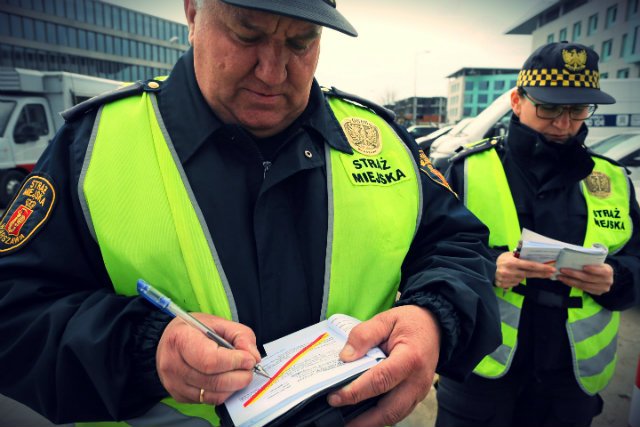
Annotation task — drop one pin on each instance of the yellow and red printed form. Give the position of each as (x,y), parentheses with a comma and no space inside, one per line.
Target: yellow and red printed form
(301,364)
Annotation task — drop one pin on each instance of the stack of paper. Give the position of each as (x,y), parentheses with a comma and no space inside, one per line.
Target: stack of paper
(539,248)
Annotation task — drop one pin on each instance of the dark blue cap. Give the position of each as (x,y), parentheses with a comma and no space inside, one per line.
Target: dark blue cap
(563,73)
(321,12)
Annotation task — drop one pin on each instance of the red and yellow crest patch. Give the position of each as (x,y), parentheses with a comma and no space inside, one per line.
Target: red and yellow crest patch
(28,212)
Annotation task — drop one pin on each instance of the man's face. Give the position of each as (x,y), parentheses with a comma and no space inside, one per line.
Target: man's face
(559,130)
(254,69)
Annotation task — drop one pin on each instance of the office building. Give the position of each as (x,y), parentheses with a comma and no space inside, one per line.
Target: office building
(470,90)
(428,110)
(88,37)
(610,27)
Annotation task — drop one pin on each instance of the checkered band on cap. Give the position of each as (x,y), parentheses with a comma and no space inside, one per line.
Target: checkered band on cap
(554,77)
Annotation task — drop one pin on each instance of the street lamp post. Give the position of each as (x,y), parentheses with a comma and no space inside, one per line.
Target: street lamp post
(415,86)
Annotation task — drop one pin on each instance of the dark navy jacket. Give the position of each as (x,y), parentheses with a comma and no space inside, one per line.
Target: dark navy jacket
(73,350)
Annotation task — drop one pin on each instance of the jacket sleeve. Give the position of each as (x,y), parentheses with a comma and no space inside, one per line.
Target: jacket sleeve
(625,292)
(73,350)
(449,271)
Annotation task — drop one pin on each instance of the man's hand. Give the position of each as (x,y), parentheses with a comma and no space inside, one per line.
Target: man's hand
(594,279)
(188,361)
(511,271)
(410,336)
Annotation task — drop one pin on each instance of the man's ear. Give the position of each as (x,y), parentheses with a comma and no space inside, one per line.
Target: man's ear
(190,11)
(516,102)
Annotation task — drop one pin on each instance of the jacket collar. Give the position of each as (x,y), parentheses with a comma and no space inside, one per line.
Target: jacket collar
(533,152)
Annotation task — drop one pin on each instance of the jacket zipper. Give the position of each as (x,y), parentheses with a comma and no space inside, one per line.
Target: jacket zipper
(266,165)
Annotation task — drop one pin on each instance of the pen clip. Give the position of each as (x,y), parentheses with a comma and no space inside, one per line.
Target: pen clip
(154,297)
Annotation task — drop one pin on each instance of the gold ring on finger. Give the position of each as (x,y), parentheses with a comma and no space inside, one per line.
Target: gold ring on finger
(201,395)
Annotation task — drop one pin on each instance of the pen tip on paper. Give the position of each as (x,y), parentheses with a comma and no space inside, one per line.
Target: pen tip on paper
(260,370)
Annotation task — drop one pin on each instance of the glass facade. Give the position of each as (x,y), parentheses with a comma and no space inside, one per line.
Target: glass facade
(88,37)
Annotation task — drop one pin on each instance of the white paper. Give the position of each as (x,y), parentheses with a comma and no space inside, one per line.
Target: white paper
(539,248)
(295,378)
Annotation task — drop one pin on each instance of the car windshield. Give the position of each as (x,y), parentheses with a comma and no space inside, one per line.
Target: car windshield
(6,107)
(617,146)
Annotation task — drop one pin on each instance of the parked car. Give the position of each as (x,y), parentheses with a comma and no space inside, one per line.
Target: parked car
(609,119)
(425,141)
(421,130)
(625,149)
(457,129)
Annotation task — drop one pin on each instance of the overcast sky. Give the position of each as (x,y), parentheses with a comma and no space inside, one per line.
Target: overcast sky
(440,36)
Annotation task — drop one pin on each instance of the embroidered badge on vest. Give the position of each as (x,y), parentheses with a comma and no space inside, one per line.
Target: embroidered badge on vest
(434,174)
(599,185)
(363,135)
(28,212)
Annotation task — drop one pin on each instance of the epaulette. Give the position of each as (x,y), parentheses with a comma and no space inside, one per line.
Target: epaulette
(609,159)
(475,147)
(114,95)
(383,112)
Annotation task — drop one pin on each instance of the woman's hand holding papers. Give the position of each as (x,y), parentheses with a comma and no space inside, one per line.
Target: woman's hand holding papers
(511,270)
(593,279)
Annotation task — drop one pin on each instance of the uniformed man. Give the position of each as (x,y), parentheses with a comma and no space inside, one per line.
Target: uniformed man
(258,201)
(559,336)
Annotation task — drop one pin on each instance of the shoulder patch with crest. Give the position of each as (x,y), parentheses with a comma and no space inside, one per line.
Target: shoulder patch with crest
(434,174)
(27,213)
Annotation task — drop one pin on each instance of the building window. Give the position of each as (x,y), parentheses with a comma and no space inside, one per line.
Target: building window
(82,39)
(82,16)
(482,98)
(611,16)
(468,85)
(550,38)
(593,24)
(563,35)
(115,18)
(124,20)
(606,50)
(635,46)
(624,46)
(604,75)
(623,74)
(498,85)
(29,31)
(40,34)
(483,85)
(59,6)
(89,10)
(468,98)
(4,24)
(107,16)
(467,112)
(71,9)
(15,26)
(72,37)
(51,33)
(632,8)
(62,35)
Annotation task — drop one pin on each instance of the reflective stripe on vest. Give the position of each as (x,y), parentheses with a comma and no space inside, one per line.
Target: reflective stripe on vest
(592,329)
(141,210)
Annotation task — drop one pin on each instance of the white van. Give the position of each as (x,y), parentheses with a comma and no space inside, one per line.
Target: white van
(30,101)
(621,117)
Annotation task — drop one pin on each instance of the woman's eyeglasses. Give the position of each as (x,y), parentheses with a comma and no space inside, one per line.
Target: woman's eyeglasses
(553,111)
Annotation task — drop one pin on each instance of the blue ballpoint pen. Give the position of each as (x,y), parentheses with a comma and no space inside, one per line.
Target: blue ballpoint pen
(165,304)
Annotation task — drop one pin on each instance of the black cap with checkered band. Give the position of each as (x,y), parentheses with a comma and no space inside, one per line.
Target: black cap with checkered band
(321,12)
(563,73)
